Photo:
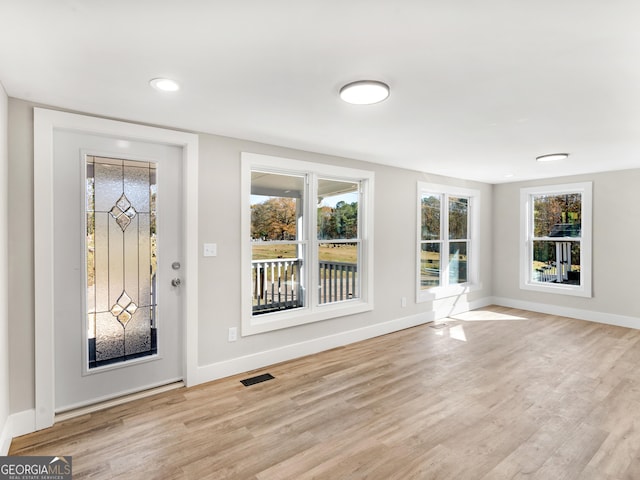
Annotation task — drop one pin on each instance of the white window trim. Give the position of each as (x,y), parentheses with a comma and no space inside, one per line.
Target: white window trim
(313,312)
(473,253)
(526,232)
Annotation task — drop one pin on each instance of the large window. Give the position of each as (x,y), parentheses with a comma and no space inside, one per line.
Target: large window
(338,240)
(278,243)
(306,229)
(447,240)
(556,243)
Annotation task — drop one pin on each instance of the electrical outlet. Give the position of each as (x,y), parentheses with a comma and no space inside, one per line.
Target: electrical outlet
(403,302)
(233,334)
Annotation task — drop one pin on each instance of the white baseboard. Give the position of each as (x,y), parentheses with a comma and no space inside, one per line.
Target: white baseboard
(254,361)
(5,438)
(23,422)
(589,315)
(16,425)
(480,303)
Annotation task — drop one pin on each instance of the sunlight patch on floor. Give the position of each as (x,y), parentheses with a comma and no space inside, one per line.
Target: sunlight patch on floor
(456,332)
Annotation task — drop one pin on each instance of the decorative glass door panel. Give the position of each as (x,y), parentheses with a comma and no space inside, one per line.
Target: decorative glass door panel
(121,260)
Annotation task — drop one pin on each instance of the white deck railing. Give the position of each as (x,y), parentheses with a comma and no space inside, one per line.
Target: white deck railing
(276,283)
(337,281)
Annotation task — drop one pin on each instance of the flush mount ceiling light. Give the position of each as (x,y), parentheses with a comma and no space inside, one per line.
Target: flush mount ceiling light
(552,157)
(164,84)
(364,92)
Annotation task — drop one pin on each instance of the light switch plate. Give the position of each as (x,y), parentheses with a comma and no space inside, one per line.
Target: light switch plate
(210,250)
(233,334)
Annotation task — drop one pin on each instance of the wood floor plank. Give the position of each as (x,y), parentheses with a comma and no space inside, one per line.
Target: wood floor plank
(495,394)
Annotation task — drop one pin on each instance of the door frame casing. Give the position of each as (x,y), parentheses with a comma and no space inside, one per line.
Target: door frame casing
(45,123)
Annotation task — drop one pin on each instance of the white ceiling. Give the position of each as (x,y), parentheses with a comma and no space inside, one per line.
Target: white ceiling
(478,88)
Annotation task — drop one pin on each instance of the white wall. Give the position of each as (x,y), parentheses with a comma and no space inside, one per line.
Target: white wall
(615,263)
(4,271)
(394,256)
(219,277)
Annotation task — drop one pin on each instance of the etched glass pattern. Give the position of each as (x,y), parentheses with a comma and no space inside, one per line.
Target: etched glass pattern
(121,260)
(124,309)
(123,212)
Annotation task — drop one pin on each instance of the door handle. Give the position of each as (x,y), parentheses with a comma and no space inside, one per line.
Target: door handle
(176,282)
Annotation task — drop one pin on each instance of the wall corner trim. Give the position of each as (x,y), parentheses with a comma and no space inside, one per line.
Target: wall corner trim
(16,425)
(5,437)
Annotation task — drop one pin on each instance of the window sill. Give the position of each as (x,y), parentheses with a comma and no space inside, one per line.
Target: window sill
(276,321)
(557,289)
(436,293)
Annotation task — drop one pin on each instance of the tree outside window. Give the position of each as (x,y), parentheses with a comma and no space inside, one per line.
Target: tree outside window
(305,231)
(556,239)
(447,222)
(557,221)
(338,240)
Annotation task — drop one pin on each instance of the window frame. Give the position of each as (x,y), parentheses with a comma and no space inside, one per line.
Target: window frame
(527,238)
(313,311)
(445,289)
(336,241)
(301,240)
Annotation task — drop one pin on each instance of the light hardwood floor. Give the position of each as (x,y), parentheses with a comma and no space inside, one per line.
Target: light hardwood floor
(496,394)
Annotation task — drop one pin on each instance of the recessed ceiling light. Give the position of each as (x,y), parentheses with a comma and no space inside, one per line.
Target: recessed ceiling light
(164,84)
(552,157)
(364,92)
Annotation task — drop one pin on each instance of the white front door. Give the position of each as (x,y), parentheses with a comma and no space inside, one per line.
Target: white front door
(118,258)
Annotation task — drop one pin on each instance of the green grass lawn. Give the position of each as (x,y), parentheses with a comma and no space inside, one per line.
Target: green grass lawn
(347,253)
